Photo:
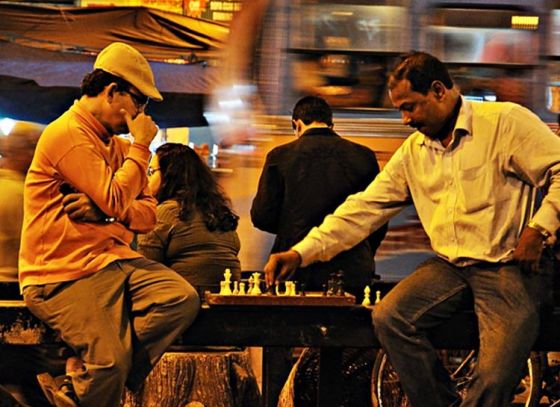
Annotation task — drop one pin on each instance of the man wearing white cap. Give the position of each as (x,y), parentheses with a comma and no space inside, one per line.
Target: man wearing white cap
(85,196)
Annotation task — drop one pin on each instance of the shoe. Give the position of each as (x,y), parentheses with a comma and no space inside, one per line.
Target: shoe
(59,391)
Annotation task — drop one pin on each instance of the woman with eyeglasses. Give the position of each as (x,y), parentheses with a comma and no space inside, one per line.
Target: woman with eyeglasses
(195,233)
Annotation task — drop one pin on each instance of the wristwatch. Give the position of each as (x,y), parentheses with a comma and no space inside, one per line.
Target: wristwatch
(544,233)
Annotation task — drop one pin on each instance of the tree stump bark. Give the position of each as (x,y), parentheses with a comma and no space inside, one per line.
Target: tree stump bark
(213,378)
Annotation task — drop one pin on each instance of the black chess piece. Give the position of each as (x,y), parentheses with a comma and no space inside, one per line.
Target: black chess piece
(340,283)
(331,285)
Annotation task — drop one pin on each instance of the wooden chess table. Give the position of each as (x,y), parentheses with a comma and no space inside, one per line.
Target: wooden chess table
(276,327)
(310,299)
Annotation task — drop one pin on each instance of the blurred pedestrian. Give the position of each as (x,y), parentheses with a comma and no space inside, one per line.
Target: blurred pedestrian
(16,151)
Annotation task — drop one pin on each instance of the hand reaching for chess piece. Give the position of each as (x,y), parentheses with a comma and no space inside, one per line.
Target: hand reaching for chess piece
(281,266)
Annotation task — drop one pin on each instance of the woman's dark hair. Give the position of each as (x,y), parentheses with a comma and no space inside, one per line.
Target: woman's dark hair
(94,83)
(421,69)
(311,109)
(188,180)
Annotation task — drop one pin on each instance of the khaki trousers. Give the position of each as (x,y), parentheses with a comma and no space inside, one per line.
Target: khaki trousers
(119,320)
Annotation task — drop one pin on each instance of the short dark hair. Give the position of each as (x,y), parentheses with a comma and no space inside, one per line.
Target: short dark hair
(94,82)
(421,69)
(311,109)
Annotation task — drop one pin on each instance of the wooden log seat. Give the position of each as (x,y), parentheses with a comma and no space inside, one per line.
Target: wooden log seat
(201,378)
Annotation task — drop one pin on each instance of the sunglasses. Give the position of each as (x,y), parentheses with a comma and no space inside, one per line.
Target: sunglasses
(140,101)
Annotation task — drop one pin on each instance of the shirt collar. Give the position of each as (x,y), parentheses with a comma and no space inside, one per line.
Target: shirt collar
(85,114)
(463,127)
(321,131)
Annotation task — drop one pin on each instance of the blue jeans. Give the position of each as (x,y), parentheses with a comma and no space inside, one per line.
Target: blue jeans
(507,304)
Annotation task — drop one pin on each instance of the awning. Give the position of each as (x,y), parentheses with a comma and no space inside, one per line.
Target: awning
(46,51)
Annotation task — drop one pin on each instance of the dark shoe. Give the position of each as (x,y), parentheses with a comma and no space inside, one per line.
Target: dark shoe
(59,391)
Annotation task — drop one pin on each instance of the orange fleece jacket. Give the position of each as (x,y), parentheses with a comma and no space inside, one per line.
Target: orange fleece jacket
(78,150)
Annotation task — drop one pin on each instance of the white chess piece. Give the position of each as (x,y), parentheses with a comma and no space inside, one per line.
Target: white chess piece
(366,300)
(256,290)
(236,288)
(290,288)
(227,282)
(377,296)
(242,289)
(226,290)
(251,283)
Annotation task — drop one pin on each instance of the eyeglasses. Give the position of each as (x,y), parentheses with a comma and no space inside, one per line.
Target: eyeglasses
(140,101)
(152,171)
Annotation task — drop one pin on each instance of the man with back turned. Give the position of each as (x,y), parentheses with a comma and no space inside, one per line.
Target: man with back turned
(305,180)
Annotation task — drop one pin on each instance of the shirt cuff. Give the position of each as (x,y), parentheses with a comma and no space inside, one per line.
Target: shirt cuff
(305,250)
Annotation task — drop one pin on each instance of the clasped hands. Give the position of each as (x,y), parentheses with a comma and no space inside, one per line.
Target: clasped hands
(80,208)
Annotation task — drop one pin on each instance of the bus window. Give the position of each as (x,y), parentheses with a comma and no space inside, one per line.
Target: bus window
(553,88)
(343,50)
(492,53)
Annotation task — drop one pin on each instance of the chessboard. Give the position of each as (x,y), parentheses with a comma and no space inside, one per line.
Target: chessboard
(310,299)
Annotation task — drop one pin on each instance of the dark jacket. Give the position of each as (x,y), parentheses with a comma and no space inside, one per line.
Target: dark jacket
(301,183)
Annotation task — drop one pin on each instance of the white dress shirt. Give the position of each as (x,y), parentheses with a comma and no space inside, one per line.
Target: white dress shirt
(473,197)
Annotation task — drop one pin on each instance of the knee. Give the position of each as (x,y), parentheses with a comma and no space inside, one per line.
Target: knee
(384,317)
(186,303)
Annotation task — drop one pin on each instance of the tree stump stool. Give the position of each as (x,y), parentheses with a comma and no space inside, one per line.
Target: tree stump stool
(209,378)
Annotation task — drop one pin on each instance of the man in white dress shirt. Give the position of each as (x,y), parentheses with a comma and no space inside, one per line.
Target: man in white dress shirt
(471,170)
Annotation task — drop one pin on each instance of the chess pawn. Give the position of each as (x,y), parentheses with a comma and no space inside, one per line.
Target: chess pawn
(290,288)
(256,284)
(222,287)
(235,288)
(366,300)
(242,289)
(377,296)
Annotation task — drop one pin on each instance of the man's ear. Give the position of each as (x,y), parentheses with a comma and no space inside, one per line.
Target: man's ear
(111,89)
(299,127)
(438,88)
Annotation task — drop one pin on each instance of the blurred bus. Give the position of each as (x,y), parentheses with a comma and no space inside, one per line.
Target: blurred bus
(280,50)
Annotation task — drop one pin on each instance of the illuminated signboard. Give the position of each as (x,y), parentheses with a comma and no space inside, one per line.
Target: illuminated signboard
(215,10)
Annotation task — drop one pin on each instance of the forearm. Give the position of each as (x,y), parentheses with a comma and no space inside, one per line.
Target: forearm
(141,215)
(350,224)
(112,190)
